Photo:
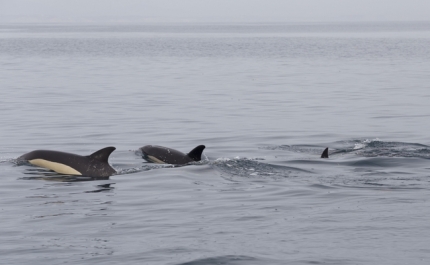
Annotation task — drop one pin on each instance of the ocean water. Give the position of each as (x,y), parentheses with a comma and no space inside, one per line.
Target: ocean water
(265,99)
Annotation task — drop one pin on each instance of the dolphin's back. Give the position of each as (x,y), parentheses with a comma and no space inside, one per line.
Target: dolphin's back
(54,156)
(165,155)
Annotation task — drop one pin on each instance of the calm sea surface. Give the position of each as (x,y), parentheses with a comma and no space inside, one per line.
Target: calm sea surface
(265,99)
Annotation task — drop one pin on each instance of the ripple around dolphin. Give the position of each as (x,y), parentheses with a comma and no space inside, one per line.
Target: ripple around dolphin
(378,148)
(375,178)
(368,164)
(360,147)
(102,188)
(254,168)
(247,260)
(394,149)
(307,149)
(231,259)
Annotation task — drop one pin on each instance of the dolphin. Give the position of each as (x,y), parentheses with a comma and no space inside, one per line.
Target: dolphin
(94,165)
(325,153)
(164,155)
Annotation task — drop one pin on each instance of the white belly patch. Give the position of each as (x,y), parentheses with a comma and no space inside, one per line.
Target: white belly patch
(57,167)
(155,160)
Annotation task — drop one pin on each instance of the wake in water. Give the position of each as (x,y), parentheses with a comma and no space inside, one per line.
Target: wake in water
(364,148)
(254,169)
(368,163)
(377,148)
(232,260)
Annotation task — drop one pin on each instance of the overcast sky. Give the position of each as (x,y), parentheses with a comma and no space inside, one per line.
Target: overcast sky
(212,10)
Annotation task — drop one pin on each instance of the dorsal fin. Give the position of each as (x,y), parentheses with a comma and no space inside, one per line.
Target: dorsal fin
(102,154)
(196,153)
(325,153)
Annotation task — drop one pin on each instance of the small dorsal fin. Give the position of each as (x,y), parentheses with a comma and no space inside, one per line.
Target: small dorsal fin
(102,154)
(196,153)
(325,153)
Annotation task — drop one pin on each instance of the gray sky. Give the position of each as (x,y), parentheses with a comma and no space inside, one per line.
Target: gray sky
(212,10)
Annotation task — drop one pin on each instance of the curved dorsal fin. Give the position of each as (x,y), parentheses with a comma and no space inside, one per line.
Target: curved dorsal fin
(325,153)
(196,153)
(102,154)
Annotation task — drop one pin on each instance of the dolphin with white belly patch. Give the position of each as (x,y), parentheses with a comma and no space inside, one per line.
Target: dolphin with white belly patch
(165,155)
(94,165)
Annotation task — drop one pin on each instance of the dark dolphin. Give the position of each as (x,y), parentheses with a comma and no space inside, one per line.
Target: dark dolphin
(325,153)
(94,165)
(164,155)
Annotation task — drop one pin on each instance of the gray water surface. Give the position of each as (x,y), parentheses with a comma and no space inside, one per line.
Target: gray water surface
(265,99)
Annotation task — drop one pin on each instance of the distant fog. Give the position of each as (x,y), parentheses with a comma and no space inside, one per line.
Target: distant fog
(159,11)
